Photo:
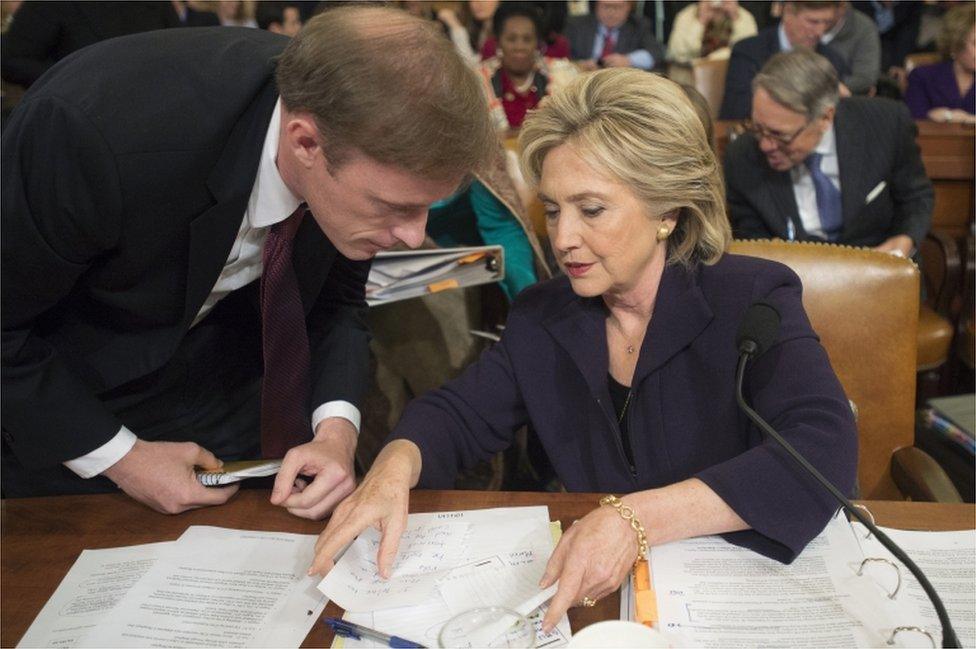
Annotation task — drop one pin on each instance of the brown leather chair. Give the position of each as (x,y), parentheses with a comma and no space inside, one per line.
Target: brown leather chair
(941,274)
(919,59)
(864,305)
(708,77)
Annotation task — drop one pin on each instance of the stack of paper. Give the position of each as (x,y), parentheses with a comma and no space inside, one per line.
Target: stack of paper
(713,594)
(212,587)
(400,275)
(449,562)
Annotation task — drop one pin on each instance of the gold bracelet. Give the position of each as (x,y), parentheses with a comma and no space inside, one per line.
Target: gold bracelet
(627,513)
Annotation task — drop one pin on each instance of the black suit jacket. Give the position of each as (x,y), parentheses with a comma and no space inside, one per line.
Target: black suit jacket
(748,57)
(126,174)
(875,144)
(43,33)
(635,34)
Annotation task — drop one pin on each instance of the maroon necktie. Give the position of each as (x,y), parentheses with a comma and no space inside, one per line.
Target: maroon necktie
(287,361)
(608,45)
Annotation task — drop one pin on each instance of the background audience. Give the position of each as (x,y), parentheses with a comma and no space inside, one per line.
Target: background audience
(816,167)
(708,29)
(803,24)
(898,25)
(613,36)
(780,172)
(43,33)
(517,78)
(944,92)
(854,37)
(278,17)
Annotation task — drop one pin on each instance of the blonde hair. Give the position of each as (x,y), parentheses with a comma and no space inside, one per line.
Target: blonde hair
(643,130)
(388,84)
(955,29)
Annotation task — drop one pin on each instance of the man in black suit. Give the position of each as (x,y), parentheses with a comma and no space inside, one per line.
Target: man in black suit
(613,37)
(802,25)
(148,181)
(43,33)
(815,167)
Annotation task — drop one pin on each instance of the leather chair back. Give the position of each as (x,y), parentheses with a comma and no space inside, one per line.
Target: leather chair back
(708,77)
(864,306)
(919,59)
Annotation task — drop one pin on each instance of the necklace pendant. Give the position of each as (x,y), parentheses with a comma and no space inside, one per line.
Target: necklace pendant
(630,349)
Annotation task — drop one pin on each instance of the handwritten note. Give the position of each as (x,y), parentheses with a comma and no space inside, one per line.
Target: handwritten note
(509,578)
(428,548)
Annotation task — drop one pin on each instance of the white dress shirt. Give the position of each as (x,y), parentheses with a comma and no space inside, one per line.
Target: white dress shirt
(803,190)
(270,202)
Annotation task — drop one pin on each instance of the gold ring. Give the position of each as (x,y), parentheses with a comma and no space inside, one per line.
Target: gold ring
(588,602)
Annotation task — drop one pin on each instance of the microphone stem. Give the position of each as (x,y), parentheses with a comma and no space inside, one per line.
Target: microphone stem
(949,638)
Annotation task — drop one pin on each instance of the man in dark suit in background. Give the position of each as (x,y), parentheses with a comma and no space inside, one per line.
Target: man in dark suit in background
(802,25)
(815,167)
(614,37)
(43,33)
(148,181)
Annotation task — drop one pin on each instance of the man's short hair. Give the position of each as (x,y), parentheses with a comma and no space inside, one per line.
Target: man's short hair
(800,80)
(811,5)
(389,85)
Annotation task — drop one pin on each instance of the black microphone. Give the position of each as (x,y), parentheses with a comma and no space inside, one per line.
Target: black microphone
(757,333)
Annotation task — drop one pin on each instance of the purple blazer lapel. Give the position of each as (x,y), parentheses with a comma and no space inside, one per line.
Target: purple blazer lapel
(681,313)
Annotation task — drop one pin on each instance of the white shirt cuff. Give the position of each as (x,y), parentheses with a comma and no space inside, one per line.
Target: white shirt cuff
(103,457)
(342,409)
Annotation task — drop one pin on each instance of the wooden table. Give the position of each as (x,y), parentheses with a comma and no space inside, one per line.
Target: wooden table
(42,537)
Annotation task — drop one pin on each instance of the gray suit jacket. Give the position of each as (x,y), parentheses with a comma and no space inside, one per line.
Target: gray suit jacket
(875,145)
(859,45)
(635,34)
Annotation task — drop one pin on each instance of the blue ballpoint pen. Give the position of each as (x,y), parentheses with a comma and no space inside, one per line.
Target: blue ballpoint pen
(357,632)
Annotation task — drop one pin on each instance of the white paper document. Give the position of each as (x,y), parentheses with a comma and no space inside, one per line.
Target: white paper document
(508,578)
(218,587)
(88,593)
(716,594)
(504,553)
(427,550)
(948,560)
(711,593)
(399,275)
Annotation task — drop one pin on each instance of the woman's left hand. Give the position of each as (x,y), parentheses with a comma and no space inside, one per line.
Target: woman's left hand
(591,560)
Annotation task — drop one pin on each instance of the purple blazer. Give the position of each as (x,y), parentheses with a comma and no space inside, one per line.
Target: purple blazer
(550,370)
(934,86)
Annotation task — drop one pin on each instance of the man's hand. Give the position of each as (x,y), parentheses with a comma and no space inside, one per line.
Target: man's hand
(381,501)
(329,458)
(616,61)
(899,245)
(587,65)
(160,475)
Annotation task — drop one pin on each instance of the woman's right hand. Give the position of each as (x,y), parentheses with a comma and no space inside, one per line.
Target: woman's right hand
(381,501)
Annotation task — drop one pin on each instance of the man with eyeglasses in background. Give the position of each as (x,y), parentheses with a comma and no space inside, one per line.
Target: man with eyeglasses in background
(812,166)
(802,26)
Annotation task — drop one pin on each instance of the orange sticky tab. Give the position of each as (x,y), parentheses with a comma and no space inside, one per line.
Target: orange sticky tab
(645,600)
(442,285)
(642,576)
(473,257)
(646,604)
